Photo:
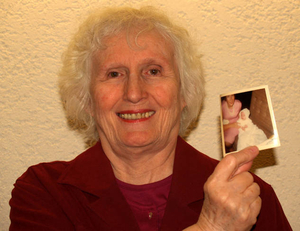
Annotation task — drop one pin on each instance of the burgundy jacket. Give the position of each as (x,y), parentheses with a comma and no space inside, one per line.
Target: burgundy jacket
(83,195)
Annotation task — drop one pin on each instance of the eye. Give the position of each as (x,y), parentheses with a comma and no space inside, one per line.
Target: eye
(153,71)
(113,74)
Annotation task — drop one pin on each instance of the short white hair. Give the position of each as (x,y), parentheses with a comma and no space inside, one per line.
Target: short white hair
(75,75)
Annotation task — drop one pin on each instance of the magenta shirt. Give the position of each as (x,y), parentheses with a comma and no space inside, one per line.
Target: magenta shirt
(147,202)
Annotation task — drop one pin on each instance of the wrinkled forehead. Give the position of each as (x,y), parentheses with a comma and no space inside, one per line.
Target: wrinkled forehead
(151,42)
(137,37)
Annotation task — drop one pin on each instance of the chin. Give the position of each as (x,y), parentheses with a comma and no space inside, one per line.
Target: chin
(138,139)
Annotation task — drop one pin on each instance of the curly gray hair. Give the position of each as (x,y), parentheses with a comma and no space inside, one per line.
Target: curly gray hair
(75,75)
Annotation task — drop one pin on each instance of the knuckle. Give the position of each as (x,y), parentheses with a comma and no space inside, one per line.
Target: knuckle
(224,200)
(258,202)
(232,206)
(250,176)
(210,184)
(243,216)
(254,190)
(246,216)
(257,186)
(231,160)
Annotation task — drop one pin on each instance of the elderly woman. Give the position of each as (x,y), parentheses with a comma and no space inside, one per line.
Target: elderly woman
(131,82)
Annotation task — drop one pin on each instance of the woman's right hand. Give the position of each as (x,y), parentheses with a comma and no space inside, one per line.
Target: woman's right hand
(232,199)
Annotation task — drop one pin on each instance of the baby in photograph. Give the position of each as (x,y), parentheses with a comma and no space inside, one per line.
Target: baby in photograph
(249,133)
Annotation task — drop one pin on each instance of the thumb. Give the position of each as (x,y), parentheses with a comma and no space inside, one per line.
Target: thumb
(235,163)
(245,159)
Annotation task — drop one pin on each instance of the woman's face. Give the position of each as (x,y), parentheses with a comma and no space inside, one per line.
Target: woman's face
(136,91)
(230,100)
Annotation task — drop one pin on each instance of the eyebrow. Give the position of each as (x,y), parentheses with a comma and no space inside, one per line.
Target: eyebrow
(145,61)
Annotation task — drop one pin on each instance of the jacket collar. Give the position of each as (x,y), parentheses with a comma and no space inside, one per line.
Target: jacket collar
(91,172)
(191,170)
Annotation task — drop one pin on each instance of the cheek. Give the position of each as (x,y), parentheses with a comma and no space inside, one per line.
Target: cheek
(104,98)
(167,94)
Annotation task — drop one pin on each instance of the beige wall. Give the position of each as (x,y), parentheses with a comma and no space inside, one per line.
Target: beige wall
(244,44)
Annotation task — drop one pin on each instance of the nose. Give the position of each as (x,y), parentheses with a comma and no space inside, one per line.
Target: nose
(134,89)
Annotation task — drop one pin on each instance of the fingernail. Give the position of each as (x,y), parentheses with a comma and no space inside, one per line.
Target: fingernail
(253,149)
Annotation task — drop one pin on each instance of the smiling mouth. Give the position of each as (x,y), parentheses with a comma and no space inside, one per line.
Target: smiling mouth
(136,116)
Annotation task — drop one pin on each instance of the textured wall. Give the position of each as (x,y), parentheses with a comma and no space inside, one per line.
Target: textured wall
(244,44)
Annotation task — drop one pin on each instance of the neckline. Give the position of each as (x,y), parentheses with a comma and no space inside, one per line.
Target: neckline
(144,187)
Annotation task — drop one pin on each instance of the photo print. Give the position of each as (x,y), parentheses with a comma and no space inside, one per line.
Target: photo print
(247,119)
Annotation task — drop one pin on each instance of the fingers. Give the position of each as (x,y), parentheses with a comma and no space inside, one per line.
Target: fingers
(236,163)
(252,192)
(241,182)
(234,204)
(231,195)
(253,212)
(255,207)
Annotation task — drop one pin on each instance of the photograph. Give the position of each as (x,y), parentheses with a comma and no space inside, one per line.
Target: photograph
(247,119)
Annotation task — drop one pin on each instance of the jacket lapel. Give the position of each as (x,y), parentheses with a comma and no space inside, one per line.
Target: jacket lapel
(91,173)
(191,170)
(114,210)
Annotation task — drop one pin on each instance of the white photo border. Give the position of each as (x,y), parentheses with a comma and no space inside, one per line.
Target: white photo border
(271,142)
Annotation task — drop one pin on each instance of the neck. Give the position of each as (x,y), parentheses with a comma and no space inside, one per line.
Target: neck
(230,106)
(142,165)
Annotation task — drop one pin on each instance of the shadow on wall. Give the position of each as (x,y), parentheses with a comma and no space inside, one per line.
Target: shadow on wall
(265,158)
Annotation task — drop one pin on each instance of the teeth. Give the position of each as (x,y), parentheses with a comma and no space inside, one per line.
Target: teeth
(136,116)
